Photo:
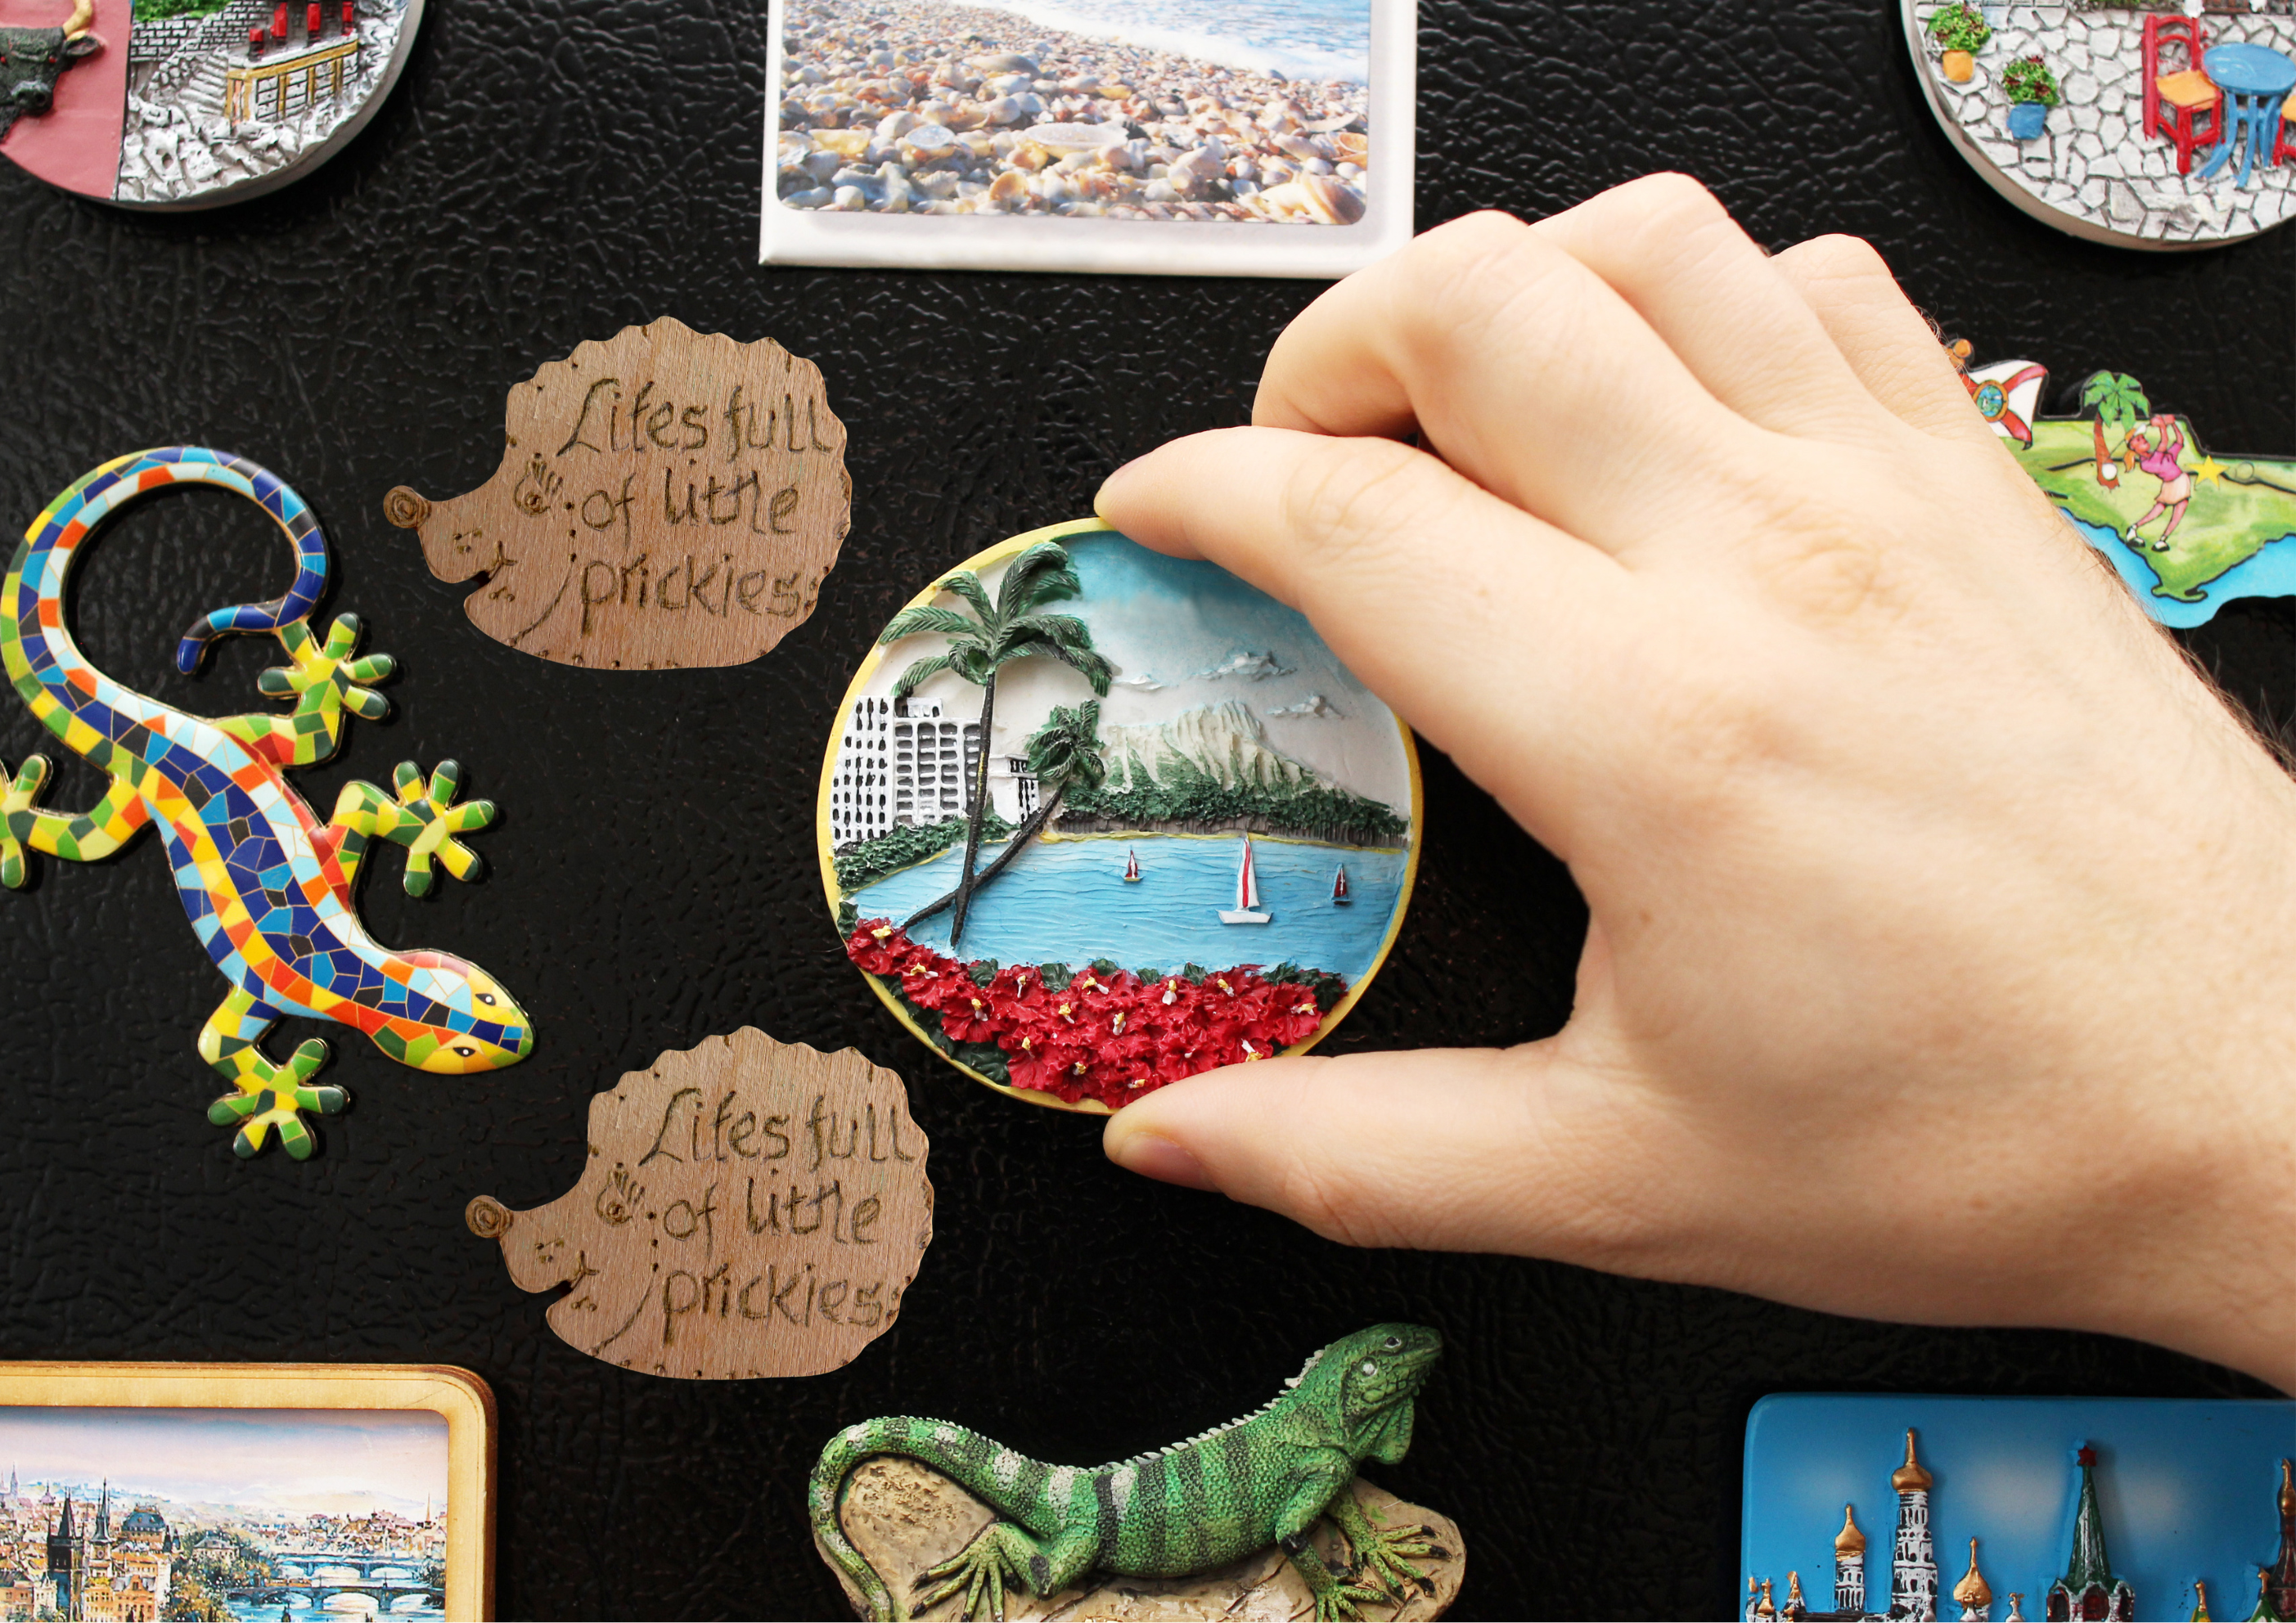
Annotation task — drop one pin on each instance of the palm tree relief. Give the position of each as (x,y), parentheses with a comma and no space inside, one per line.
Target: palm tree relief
(1064,752)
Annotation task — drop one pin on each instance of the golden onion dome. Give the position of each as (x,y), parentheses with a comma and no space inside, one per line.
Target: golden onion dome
(1973,1592)
(1766,1607)
(1910,1478)
(1849,1540)
(2287,1491)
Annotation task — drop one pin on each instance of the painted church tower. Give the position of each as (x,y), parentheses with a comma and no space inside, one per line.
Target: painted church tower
(1850,1566)
(1912,1571)
(2283,1581)
(1973,1594)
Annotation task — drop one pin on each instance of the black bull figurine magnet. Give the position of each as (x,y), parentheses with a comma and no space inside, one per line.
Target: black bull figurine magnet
(31,60)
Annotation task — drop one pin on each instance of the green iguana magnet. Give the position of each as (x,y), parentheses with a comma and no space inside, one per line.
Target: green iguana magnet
(1263,1480)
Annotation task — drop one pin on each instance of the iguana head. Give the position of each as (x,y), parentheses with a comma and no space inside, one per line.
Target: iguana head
(1378,1372)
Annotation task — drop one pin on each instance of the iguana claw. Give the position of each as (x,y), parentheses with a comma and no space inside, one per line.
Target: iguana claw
(323,676)
(1385,1558)
(16,812)
(1338,1604)
(425,821)
(978,1570)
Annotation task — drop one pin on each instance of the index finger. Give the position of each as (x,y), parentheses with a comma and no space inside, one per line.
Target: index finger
(1486,629)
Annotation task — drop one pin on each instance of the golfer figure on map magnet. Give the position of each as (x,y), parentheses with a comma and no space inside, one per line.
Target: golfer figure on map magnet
(1094,819)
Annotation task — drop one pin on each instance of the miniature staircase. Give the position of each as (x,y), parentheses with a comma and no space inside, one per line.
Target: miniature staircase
(203,92)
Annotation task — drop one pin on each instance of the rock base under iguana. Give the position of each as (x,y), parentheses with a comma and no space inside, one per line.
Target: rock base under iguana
(905,1517)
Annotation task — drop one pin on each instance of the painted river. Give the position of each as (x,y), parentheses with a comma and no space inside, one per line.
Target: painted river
(1066,902)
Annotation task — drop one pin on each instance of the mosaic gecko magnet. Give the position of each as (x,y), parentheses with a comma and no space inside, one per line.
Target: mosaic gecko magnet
(666,498)
(1094,819)
(750,1208)
(2187,532)
(2155,127)
(270,890)
(175,104)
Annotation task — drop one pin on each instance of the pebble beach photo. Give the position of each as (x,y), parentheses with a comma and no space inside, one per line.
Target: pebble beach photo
(1254,111)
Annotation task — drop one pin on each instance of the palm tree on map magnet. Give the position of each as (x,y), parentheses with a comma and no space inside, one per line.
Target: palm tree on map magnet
(2115,397)
(981,643)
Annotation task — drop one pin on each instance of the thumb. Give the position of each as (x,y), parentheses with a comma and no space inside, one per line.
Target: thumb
(1524,1149)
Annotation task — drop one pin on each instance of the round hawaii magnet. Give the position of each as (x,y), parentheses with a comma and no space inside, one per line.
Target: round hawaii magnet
(1094,819)
(2147,126)
(171,104)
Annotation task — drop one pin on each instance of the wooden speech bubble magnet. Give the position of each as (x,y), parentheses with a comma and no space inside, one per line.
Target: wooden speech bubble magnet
(666,498)
(750,1208)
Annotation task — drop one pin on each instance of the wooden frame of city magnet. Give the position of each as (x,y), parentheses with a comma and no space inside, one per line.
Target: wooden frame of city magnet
(456,1395)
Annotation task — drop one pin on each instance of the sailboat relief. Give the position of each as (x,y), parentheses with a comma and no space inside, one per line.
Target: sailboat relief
(1094,820)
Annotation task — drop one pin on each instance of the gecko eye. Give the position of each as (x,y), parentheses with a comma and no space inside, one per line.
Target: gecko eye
(467,1052)
(487,998)
(1370,1368)
(1393,1343)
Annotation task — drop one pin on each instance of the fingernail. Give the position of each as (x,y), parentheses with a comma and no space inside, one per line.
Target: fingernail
(1112,483)
(1160,1159)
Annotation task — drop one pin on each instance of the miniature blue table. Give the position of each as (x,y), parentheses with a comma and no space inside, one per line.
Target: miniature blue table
(2255,80)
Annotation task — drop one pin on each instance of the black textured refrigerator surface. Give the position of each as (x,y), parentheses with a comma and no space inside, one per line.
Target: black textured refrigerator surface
(549,171)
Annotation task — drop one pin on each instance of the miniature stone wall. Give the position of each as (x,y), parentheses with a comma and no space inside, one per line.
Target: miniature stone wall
(177,142)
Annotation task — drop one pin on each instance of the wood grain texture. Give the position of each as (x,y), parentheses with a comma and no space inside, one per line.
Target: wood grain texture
(905,1517)
(666,498)
(750,1208)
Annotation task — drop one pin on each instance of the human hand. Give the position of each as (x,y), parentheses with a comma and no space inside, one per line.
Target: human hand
(1941,916)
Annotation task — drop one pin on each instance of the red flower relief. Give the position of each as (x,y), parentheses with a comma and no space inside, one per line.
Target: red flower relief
(1108,1036)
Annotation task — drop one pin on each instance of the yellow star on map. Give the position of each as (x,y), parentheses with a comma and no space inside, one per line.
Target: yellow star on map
(2212,470)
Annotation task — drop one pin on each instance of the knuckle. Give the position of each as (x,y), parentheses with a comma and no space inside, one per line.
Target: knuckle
(1841,256)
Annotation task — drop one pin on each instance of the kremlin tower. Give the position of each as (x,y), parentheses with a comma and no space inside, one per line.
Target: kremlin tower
(1973,1594)
(2088,1588)
(2283,1580)
(1849,1567)
(1913,1570)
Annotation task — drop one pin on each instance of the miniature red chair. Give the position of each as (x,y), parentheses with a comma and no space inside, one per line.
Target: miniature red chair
(2184,106)
(2160,30)
(2284,148)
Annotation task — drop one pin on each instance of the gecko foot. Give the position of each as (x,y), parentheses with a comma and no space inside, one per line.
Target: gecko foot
(272,1098)
(322,678)
(16,817)
(425,821)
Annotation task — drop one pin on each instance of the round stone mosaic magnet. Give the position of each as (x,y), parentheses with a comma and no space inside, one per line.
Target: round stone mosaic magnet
(1189,833)
(171,104)
(2150,128)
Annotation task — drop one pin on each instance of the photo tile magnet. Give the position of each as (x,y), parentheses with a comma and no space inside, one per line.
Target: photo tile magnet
(1191,832)
(1238,137)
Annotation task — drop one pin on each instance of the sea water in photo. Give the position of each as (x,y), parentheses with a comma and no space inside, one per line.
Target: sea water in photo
(1300,39)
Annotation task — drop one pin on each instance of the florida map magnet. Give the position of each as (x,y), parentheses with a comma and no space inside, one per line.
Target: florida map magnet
(1196,842)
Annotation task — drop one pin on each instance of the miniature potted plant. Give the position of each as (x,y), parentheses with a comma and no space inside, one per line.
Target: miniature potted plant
(2032,91)
(1960,33)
